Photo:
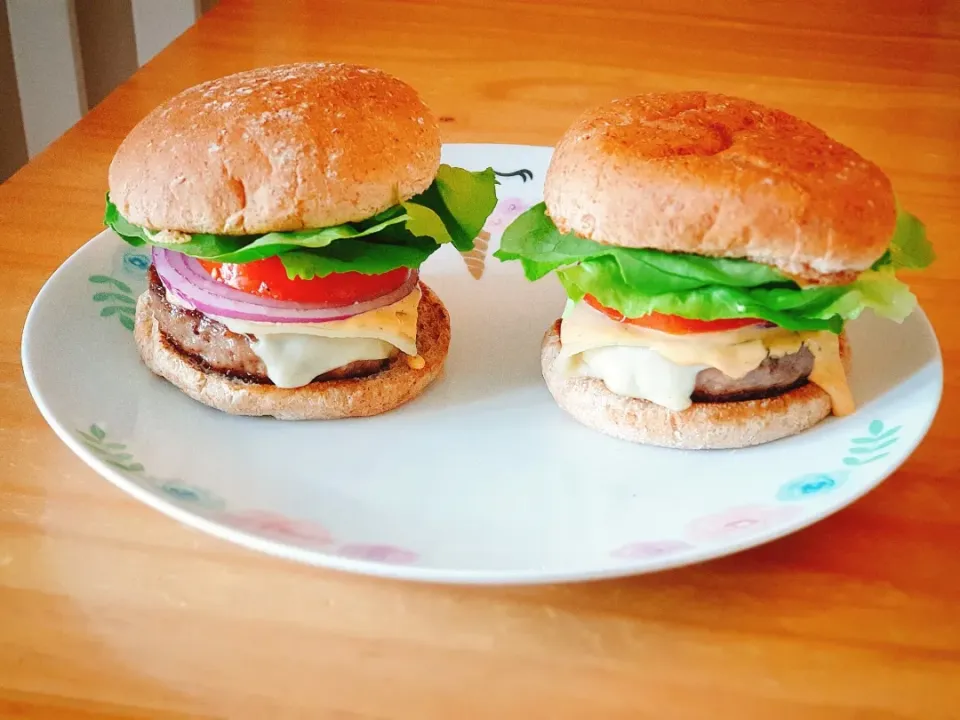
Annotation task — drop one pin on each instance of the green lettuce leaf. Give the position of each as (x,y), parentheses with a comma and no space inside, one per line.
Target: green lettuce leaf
(452,210)
(365,255)
(247,248)
(909,247)
(640,281)
(424,222)
(459,200)
(534,240)
(816,308)
(878,290)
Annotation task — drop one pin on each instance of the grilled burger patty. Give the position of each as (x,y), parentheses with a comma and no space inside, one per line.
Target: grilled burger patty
(213,346)
(774,376)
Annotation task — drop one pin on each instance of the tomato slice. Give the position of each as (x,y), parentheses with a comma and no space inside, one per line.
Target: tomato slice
(268,278)
(674,324)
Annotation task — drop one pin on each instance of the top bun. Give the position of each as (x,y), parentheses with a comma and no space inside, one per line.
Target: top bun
(279,148)
(701,173)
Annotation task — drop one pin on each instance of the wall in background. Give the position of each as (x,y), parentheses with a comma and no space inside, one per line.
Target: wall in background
(13,143)
(108,45)
(46,56)
(157,23)
(58,58)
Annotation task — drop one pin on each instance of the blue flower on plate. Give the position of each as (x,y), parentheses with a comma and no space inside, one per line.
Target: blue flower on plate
(136,263)
(187,495)
(806,487)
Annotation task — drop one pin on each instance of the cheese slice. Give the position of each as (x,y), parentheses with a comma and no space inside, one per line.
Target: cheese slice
(395,324)
(639,372)
(734,353)
(828,371)
(294,360)
(295,353)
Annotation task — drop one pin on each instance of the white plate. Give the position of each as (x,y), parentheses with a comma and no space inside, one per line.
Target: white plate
(482,479)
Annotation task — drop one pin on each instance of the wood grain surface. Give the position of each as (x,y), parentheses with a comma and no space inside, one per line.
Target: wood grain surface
(111,610)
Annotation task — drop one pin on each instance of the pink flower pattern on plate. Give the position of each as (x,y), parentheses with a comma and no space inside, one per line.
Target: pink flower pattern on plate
(647,549)
(740,522)
(279,527)
(504,213)
(378,553)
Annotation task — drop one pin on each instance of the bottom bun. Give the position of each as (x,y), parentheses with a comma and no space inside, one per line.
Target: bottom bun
(702,426)
(327,400)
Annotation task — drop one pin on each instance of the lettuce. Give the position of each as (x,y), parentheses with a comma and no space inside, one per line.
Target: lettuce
(375,256)
(641,281)
(534,240)
(909,247)
(459,201)
(242,249)
(452,210)
(816,308)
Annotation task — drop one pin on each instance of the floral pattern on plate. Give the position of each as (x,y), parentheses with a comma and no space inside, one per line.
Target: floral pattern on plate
(187,495)
(507,210)
(647,549)
(133,263)
(279,527)
(873,446)
(378,553)
(808,486)
(116,299)
(263,523)
(738,522)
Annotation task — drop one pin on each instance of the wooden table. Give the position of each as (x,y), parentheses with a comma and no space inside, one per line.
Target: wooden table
(110,610)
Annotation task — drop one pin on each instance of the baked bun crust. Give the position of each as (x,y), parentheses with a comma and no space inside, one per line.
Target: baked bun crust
(702,426)
(278,148)
(709,174)
(327,400)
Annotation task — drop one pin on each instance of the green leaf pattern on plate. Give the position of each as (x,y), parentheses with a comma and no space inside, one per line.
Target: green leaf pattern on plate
(113,453)
(117,455)
(872,446)
(118,301)
(863,450)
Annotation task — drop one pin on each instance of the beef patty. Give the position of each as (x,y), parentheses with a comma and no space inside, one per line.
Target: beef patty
(774,376)
(216,349)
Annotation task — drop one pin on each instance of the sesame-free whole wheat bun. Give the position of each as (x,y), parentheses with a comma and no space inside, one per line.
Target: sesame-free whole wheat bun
(276,149)
(702,173)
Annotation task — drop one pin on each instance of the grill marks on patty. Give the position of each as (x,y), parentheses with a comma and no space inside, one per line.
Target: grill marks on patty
(215,348)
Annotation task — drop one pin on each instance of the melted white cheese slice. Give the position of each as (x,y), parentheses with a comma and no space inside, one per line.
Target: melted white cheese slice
(295,353)
(735,353)
(639,372)
(294,360)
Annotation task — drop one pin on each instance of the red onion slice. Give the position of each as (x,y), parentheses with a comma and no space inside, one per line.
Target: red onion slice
(183,276)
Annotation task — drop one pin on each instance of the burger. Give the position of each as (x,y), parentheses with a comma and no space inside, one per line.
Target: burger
(288,210)
(712,251)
